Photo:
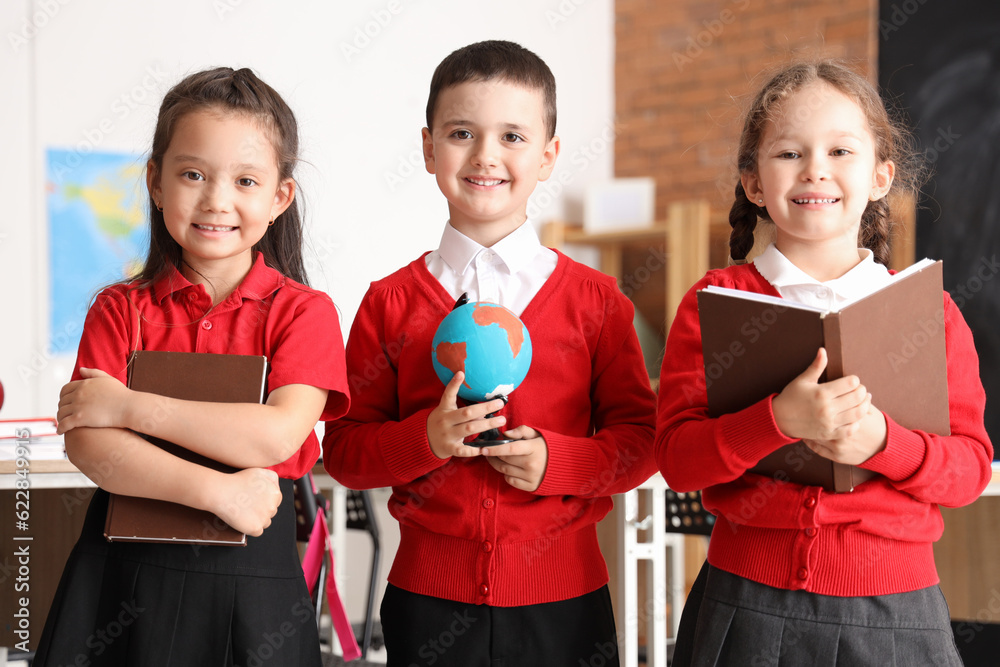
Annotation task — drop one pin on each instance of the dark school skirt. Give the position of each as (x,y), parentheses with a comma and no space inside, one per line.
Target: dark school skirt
(165,605)
(729,620)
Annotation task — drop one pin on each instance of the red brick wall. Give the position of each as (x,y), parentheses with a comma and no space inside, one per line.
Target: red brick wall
(683,68)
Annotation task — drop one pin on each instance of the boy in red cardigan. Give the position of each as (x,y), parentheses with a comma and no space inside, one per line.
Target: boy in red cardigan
(498,561)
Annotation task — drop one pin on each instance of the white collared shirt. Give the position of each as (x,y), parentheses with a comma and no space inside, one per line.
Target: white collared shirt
(509,273)
(794,283)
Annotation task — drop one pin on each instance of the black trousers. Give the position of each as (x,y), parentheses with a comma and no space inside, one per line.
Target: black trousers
(421,630)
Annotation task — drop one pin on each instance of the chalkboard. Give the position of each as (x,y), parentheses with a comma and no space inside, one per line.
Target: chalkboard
(941,61)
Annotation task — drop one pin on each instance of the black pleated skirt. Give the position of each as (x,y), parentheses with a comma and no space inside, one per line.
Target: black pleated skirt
(153,605)
(730,621)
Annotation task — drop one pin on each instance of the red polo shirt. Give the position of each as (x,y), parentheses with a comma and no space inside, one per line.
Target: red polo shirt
(294,326)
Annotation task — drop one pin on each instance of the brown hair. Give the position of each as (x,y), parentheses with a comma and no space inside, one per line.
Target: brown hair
(239,92)
(892,139)
(495,59)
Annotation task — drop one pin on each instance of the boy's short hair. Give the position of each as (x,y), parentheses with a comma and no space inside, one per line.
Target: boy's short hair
(496,59)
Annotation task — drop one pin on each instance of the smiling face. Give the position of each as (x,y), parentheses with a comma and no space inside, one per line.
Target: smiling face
(218,187)
(817,171)
(488,150)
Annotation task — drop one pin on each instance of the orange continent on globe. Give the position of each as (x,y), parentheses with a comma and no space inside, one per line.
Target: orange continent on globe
(486,314)
(452,357)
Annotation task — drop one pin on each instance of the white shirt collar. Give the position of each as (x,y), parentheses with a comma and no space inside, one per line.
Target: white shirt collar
(515,251)
(864,278)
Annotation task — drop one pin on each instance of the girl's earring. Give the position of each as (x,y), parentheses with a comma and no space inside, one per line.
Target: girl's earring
(271,224)
(760,202)
(158,207)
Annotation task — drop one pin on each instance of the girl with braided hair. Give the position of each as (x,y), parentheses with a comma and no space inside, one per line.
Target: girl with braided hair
(796,575)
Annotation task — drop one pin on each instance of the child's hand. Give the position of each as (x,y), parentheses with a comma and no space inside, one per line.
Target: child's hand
(98,401)
(448,425)
(522,463)
(248,499)
(867,441)
(808,410)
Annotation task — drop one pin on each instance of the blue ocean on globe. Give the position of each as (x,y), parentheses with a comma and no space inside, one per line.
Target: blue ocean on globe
(489,343)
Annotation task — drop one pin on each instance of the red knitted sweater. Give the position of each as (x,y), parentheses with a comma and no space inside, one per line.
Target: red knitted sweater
(465,534)
(875,540)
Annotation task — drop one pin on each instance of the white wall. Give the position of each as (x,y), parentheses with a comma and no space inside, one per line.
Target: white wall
(90,75)
(85,75)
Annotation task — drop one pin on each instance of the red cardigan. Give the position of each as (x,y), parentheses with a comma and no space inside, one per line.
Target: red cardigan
(465,534)
(876,540)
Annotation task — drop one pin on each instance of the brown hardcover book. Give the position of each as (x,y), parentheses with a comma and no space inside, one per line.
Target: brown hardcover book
(219,378)
(892,339)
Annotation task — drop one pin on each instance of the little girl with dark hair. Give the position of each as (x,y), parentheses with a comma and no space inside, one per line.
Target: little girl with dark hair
(224,274)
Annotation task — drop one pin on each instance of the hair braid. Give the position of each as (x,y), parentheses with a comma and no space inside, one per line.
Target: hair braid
(875,230)
(743,219)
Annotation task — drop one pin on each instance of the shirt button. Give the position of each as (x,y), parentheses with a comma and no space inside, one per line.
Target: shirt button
(206,325)
(487,547)
(803,573)
(810,503)
(484,589)
(488,503)
(192,296)
(811,532)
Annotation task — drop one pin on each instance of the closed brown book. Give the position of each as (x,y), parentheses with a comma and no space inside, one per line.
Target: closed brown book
(193,376)
(893,340)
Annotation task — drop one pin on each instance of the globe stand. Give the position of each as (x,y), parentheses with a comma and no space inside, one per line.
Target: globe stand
(491,437)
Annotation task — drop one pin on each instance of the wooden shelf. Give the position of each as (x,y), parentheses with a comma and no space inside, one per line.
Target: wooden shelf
(679,246)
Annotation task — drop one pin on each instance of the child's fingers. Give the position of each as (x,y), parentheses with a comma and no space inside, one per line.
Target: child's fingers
(815,370)
(516,448)
(449,399)
(522,433)
(855,413)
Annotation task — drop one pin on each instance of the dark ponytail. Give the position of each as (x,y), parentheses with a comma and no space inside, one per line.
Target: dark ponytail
(743,219)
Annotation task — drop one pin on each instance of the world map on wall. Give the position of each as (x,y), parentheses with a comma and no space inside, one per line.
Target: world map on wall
(97,233)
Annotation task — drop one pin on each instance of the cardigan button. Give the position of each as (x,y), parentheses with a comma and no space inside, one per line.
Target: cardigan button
(484,590)
(487,547)
(810,502)
(488,503)
(811,532)
(803,573)
(206,325)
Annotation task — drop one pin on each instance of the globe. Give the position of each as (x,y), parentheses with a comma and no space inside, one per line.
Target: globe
(486,341)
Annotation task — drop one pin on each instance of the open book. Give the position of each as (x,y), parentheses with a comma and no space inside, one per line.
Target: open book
(893,340)
(193,376)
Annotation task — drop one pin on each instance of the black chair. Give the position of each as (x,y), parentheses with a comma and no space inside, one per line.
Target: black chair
(361,516)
